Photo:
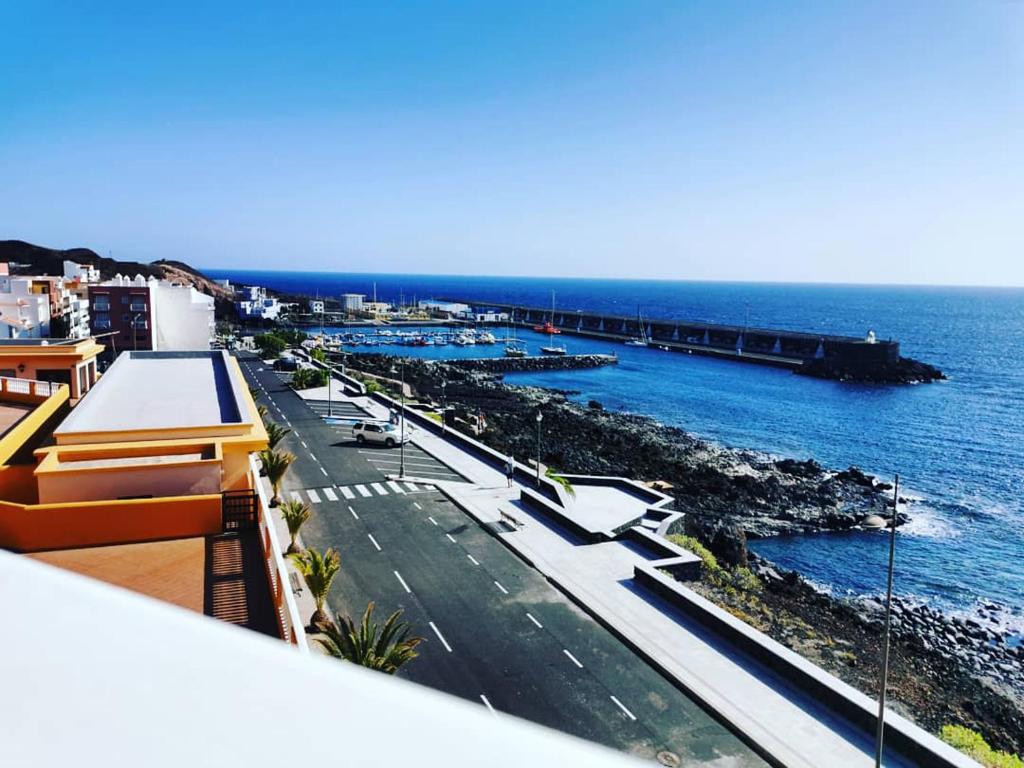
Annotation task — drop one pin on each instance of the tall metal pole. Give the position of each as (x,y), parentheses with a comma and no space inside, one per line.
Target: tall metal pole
(888,615)
(540,417)
(330,387)
(401,466)
(444,404)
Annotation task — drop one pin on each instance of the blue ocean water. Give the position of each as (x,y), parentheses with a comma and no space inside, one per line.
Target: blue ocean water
(957,445)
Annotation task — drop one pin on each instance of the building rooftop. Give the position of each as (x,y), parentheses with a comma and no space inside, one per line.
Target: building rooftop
(160,390)
(11,414)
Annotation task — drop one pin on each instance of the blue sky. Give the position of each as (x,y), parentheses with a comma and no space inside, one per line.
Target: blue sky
(838,141)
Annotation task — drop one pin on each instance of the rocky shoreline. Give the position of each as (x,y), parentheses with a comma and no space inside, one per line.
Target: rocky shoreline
(905,370)
(534,363)
(954,670)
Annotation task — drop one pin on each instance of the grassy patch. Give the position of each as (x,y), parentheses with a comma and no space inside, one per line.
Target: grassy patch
(974,746)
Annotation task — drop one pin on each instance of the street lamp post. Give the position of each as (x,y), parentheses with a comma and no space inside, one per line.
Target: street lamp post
(880,732)
(540,418)
(444,404)
(330,388)
(401,437)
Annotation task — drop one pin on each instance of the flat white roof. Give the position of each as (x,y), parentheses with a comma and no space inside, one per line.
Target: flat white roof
(155,390)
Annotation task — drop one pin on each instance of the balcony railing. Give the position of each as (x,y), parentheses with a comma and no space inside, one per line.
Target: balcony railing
(41,389)
(289,621)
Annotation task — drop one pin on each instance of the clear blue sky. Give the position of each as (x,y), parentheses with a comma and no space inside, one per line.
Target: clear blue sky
(818,141)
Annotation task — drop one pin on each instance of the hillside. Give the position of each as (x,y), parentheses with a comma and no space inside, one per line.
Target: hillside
(28,259)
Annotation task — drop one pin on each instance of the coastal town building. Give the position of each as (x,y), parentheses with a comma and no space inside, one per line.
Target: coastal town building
(352,302)
(56,361)
(254,304)
(316,306)
(24,308)
(150,484)
(83,273)
(140,314)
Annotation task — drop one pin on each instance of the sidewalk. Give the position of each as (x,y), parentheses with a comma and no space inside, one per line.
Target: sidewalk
(785,725)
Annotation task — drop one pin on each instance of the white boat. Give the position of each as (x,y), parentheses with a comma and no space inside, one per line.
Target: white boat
(486,338)
(641,340)
(513,347)
(552,350)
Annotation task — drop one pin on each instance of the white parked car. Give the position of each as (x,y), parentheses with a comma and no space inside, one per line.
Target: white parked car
(380,433)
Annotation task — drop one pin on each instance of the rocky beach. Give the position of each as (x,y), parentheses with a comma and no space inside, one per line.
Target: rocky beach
(946,669)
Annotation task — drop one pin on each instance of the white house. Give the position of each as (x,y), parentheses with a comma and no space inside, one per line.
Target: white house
(24,314)
(85,273)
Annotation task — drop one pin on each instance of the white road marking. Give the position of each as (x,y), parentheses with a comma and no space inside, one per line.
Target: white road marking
(374,542)
(330,494)
(498,585)
(313,496)
(450,538)
(304,444)
(406,587)
(412,486)
(572,658)
(437,632)
(353,513)
(379,489)
(431,519)
(363,491)
(295,495)
(417,505)
(530,617)
(622,706)
(324,471)
(488,705)
(347,492)
(474,561)
(395,487)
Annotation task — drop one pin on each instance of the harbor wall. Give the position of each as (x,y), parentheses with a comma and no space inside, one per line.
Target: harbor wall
(790,349)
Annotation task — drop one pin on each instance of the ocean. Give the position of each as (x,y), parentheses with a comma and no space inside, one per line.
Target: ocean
(957,445)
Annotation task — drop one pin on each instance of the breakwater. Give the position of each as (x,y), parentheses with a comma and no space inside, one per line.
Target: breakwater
(823,355)
(534,363)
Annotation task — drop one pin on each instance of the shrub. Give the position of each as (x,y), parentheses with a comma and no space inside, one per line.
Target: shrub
(307,378)
(974,746)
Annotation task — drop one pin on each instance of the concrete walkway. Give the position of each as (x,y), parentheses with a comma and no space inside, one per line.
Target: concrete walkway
(785,725)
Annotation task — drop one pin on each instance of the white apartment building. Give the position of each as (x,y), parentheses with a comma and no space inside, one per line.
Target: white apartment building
(352,302)
(84,273)
(24,314)
(140,313)
(254,303)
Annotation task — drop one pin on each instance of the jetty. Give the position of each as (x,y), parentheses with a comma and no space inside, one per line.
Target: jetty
(834,356)
(533,363)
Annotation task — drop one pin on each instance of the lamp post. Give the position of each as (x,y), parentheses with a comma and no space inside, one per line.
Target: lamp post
(330,387)
(401,437)
(880,732)
(540,418)
(444,404)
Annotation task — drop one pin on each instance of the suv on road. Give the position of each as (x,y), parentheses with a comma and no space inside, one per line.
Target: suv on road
(380,433)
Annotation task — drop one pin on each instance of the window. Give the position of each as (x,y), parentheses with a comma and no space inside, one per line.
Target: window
(101,303)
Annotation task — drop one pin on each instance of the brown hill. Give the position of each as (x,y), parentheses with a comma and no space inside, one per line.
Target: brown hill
(28,259)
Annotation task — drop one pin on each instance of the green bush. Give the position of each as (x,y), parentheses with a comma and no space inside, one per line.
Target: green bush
(318,354)
(709,563)
(739,579)
(270,345)
(974,746)
(307,378)
(372,386)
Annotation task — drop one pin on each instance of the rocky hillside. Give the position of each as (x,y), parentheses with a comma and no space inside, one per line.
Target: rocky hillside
(28,259)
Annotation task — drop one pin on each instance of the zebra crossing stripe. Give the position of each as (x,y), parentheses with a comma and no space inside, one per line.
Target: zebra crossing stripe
(379,489)
(330,494)
(363,491)
(347,492)
(313,496)
(296,496)
(412,486)
(395,487)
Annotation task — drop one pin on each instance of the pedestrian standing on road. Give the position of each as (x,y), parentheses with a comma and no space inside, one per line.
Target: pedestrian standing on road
(510,468)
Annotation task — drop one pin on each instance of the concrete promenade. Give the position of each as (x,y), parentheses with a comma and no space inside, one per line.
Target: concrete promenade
(783,724)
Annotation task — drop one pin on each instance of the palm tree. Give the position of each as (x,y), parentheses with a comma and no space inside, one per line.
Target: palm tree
(261,409)
(318,571)
(276,463)
(275,434)
(295,513)
(386,651)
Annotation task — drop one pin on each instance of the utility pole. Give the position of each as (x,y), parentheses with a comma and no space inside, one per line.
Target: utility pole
(401,438)
(540,418)
(879,736)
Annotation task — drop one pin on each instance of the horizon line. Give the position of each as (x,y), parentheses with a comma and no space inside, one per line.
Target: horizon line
(623,279)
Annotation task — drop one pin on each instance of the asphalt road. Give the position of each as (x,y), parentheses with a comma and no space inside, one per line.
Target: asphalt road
(497,633)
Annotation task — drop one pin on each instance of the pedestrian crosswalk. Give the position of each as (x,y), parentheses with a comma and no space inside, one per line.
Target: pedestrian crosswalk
(367,491)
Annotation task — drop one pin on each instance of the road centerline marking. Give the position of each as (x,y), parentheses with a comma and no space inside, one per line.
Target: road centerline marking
(417,505)
(353,513)
(437,632)
(498,585)
(474,561)
(451,538)
(572,658)
(537,623)
(431,519)
(622,706)
(374,542)
(406,587)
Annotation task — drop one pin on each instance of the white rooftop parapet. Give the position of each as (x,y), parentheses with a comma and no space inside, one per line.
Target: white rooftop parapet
(151,684)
